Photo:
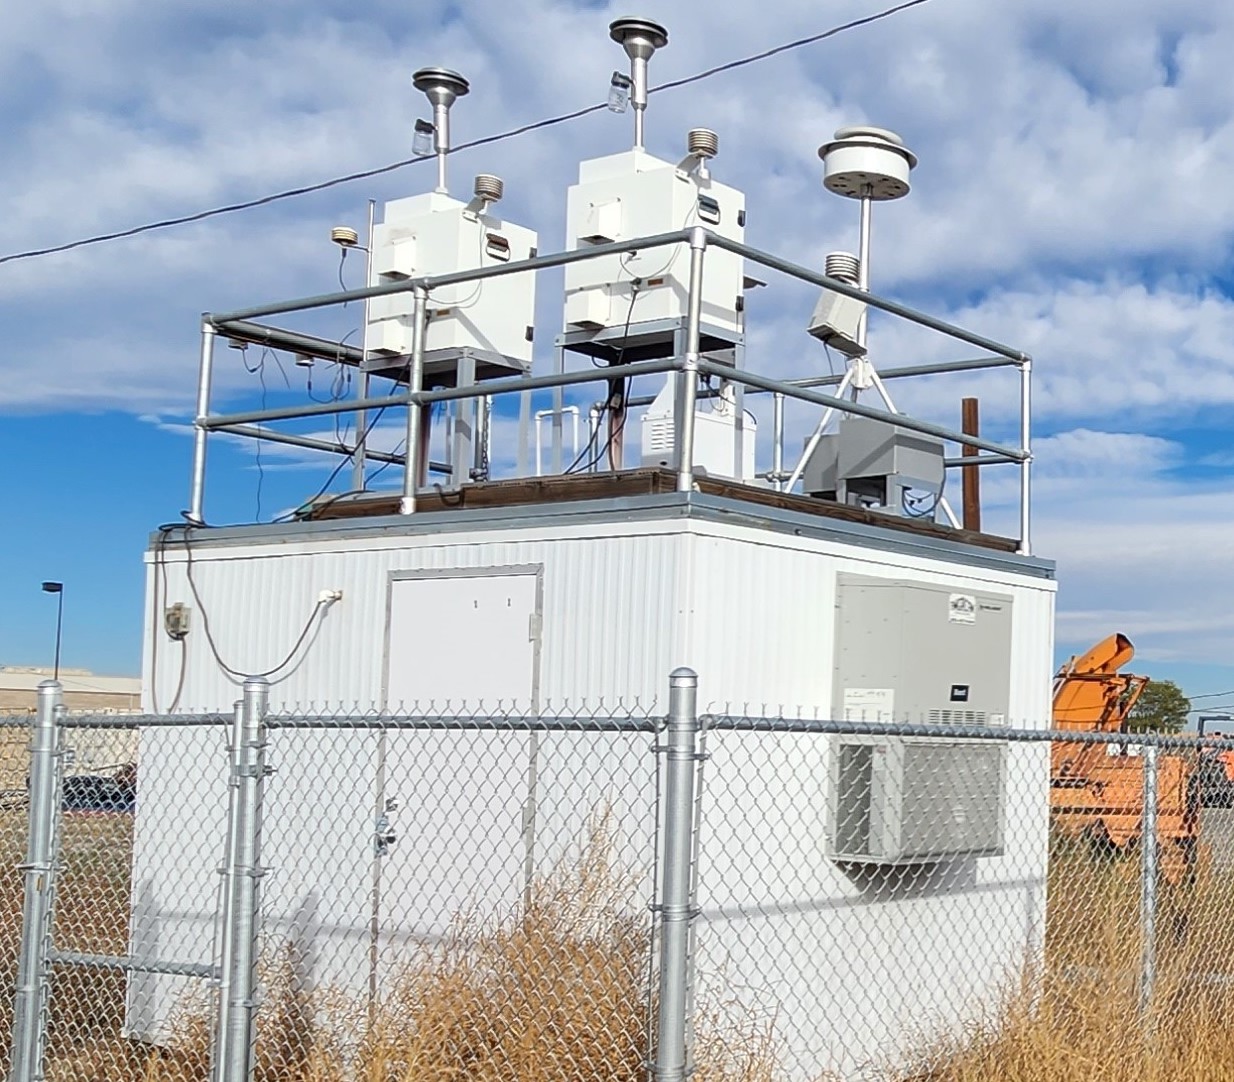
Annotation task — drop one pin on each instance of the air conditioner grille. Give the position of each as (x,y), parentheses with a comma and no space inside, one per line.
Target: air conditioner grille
(958,717)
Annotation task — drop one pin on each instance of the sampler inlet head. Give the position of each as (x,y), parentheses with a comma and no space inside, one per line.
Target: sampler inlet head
(440,85)
(639,37)
(863,162)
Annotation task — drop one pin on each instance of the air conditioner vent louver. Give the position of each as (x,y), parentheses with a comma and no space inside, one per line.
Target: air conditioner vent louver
(959,717)
(897,800)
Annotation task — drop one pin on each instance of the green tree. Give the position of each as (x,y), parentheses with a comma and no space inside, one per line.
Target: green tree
(1162,708)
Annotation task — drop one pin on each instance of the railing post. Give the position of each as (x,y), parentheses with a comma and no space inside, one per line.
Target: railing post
(687,378)
(205,374)
(1026,445)
(777,441)
(415,383)
(1148,882)
(234,1027)
(33,966)
(676,912)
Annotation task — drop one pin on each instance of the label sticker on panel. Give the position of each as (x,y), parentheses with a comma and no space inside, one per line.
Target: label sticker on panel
(962,609)
(869,704)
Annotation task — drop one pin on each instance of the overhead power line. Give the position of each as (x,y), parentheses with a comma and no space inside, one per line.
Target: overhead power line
(488,140)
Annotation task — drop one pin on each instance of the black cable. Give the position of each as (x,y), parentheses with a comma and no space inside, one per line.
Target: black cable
(812,39)
(385,465)
(488,140)
(635,289)
(205,624)
(343,460)
(831,365)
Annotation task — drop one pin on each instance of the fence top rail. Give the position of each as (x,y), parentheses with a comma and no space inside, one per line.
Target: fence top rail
(648,722)
(713,722)
(142,721)
(580,723)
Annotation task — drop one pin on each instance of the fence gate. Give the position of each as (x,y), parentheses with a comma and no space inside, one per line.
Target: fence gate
(121,957)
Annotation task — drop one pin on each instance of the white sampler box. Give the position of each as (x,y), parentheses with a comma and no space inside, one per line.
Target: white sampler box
(634,194)
(432,234)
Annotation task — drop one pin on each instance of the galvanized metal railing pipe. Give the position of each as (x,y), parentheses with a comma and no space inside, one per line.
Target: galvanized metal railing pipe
(687,378)
(898,419)
(804,274)
(415,380)
(307,442)
(1026,464)
(33,962)
(676,914)
(445,394)
(362,380)
(777,441)
(205,372)
(437,281)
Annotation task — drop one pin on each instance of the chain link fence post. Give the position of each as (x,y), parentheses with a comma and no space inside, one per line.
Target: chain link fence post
(34,964)
(234,1028)
(676,911)
(1148,882)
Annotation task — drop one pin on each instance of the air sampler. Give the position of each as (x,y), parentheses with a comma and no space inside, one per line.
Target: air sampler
(634,306)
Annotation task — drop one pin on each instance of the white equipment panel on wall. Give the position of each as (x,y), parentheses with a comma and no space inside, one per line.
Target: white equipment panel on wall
(436,234)
(458,644)
(466,639)
(634,194)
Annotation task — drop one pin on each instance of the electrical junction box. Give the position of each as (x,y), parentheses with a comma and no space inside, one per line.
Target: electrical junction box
(634,194)
(929,653)
(436,234)
(715,436)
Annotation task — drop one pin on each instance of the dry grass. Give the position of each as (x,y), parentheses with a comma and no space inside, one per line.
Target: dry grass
(558,991)
(1079,1020)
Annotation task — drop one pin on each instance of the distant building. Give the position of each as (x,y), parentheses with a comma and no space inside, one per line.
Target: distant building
(82,689)
(88,750)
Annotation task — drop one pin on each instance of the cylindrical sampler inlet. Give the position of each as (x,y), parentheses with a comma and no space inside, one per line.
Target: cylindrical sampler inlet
(640,38)
(865,162)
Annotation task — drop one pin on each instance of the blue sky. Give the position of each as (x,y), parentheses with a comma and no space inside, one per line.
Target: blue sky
(1071,199)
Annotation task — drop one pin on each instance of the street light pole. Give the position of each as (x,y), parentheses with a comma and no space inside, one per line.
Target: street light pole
(57,588)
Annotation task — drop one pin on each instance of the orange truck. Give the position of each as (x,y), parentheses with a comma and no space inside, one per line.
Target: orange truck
(1097,790)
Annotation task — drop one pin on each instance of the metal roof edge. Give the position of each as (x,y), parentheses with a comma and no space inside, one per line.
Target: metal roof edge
(641,508)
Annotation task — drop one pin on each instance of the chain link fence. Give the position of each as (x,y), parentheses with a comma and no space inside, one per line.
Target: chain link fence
(616,895)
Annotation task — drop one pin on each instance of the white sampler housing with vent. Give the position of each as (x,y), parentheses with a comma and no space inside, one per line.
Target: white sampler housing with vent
(437,234)
(635,194)
(434,234)
(716,449)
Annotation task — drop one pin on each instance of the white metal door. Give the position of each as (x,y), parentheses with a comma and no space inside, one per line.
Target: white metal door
(461,644)
(458,645)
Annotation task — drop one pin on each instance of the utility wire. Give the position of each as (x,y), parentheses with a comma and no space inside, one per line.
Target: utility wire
(488,140)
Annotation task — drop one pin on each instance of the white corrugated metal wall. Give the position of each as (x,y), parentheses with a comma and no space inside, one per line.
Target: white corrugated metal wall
(623,603)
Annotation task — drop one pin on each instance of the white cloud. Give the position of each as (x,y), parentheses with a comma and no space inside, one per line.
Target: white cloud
(1070,201)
